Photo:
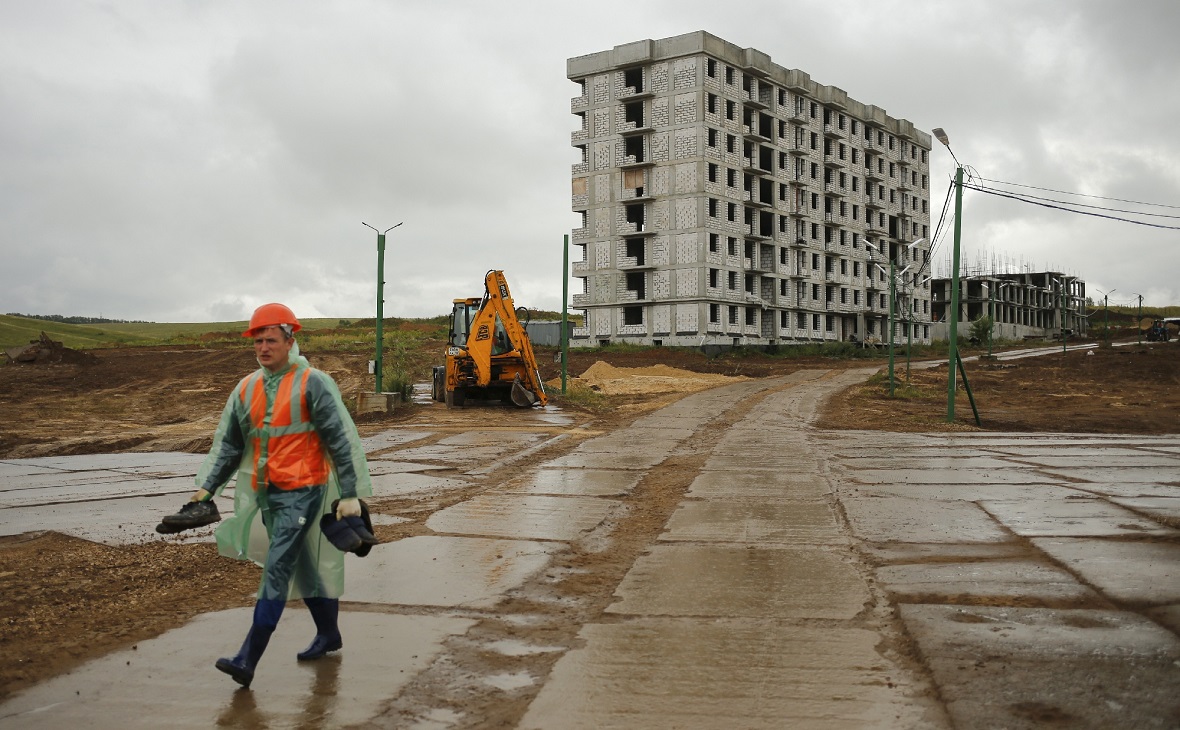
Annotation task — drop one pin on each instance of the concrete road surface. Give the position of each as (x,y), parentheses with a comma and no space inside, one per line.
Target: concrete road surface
(805,579)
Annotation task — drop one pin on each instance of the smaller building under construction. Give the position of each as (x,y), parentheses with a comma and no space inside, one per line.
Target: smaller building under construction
(1022,305)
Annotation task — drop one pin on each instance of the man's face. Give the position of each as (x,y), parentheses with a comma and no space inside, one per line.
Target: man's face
(272,348)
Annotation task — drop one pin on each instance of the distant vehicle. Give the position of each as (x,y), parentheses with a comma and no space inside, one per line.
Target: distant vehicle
(1158,332)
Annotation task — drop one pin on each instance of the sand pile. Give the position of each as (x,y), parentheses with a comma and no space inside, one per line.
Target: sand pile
(610,380)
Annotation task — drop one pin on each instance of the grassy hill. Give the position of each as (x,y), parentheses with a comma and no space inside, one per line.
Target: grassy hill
(16,331)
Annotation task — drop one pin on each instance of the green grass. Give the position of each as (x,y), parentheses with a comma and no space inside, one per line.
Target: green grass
(17,331)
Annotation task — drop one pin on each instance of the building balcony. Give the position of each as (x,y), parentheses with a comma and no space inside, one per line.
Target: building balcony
(834,189)
(579,301)
(578,136)
(873,202)
(631,161)
(833,160)
(753,233)
(872,174)
(580,268)
(630,92)
(833,130)
(580,169)
(578,202)
(580,333)
(579,103)
(630,263)
(581,234)
(636,195)
(627,129)
(754,101)
(798,242)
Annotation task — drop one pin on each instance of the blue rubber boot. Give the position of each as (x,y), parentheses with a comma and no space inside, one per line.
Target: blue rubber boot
(266,618)
(325,612)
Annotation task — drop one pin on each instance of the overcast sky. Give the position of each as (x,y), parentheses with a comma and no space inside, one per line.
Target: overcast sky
(179,160)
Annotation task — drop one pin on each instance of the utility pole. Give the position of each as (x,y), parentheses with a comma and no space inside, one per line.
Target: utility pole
(892,297)
(1139,319)
(380,297)
(565,297)
(953,318)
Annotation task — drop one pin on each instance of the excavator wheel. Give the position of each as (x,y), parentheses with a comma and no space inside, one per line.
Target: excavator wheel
(456,398)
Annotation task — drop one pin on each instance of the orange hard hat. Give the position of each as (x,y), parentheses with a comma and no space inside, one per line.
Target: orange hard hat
(272,315)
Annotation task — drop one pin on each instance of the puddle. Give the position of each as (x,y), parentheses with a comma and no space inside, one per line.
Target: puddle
(508,682)
(513,647)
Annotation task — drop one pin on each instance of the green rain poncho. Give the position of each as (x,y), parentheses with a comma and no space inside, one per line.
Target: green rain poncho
(245,535)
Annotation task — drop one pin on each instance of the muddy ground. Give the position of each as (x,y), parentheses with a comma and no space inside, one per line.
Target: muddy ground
(64,600)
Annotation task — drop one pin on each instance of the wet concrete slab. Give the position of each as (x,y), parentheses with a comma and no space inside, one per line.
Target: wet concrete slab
(97,479)
(967,492)
(161,462)
(751,521)
(636,438)
(760,483)
(453,455)
(412,483)
(1132,572)
(100,490)
(906,462)
(1075,517)
(587,482)
(170,681)
(608,460)
(752,458)
(683,674)
(748,582)
(1057,451)
(1008,475)
(1165,510)
(524,517)
(902,519)
(1133,490)
(130,521)
(451,572)
(1026,582)
(1118,475)
(492,438)
(888,553)
(1102,458)
(391,438)
(1035,667)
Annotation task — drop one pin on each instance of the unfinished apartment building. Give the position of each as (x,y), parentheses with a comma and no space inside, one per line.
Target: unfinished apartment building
(1024,305)
(726,200)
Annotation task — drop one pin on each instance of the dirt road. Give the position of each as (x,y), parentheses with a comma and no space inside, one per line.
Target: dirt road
(65,599)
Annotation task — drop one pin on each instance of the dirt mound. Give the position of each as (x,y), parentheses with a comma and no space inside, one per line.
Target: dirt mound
(610,380)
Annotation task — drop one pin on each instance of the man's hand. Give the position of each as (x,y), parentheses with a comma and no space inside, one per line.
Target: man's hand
(348,508)
(200,496)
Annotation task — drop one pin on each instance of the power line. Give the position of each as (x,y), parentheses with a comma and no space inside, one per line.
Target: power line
(1085,205)
(989,191)
(1080,195)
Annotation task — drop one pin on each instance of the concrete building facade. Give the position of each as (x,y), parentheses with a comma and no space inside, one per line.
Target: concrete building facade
(1023,305)
(727,200)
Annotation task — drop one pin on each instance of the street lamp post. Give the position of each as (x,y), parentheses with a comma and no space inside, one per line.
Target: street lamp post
(1106,313)
(892,290)
(953,319)
(1139,319)
(380,297)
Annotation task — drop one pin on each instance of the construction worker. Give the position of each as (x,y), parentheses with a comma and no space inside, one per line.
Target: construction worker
(295,449)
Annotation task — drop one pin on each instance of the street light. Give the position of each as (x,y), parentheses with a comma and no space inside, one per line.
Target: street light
(1139,319)
(953,320)
(380,295)
(1106,312)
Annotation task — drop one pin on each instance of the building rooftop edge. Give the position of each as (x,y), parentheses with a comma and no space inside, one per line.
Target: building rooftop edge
(747,59)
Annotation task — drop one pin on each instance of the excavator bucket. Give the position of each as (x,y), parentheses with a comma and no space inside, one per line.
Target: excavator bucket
(521,395)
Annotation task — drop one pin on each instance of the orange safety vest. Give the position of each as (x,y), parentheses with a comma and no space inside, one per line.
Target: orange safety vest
(288,452)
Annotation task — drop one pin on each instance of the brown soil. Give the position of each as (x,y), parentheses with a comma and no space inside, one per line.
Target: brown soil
(64,600)
(1128,390)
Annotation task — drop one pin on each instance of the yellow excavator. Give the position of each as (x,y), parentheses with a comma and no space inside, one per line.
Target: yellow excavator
(489,354)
